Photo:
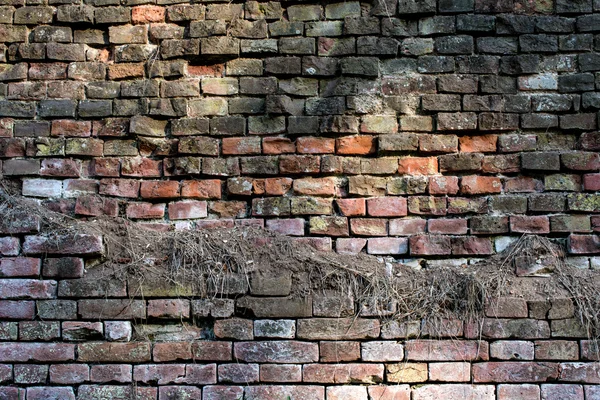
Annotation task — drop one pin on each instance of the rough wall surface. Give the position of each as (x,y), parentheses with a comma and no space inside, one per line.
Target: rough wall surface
(421,129)
(359,125)
(64,336)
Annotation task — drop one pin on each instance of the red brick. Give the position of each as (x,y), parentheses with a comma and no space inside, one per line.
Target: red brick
(212,351)
(386,246)
(418,165)
(430,245)
(112,309)
(450,372)
(506,307)
(188,210)
(556,350)
(292,227)
(407,226)
(275,392)
(355,145)
(120,187)
(17,309)
(234,328)
(201,189)
(368,227)
(39,352)
(159,189)
(315,187)
(391,392)
(170,309)
(147,14)
(96,206)
(47,392)
(470,245)
(382,351)
(351,207)
(529,224)
(246,145)
(279,352)
(315,145)
(350,246)
(68,374)
(145,210)
(179,392)
(90,392)
(480,185)
(584,244)
(299,164)
(71,128)
(110,373)
(591,182)
(280,373)
(446,350)
(239,373)
(113,352)
(12,147)
(514,372)
(160,374)
(214,223)
(456,391)
(27,289)
(172,351)
(274,186)
(523,184)
(216,392)
(105,167)
(60,168)
(278,145)
(448,226)
(443,185)
(562,391)
(19,267)
(387,207)
(339,351)
(140,167)
(580,372)
(342,373)
(512,350)
(478,144)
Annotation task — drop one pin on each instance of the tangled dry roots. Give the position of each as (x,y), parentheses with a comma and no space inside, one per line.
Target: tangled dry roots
(202,260)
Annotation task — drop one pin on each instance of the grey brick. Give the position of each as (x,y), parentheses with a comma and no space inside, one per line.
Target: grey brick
(475,23)
(57,108)
(497,45)
(366,66)
(539,43)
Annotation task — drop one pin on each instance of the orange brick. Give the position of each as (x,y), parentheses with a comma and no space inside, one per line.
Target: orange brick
(245,145)
(315,145)
(352,207)
(315,187)
(202,189)
(277,186)
(159,189)
(278,145)
(147,14)
(357,145)
(418,165)
(480,185)
(478,144)
(215,70)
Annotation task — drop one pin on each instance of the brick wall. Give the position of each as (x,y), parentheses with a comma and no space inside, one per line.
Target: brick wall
(65,334)
(360,125)
(435,132)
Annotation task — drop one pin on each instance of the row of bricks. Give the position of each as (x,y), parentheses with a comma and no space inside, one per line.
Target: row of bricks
(254,10)
(550,391)
(306,352)
(325,42)
(276,123)
(142,167)
(470,158)
(207,374)
(415,245)
(428,26)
